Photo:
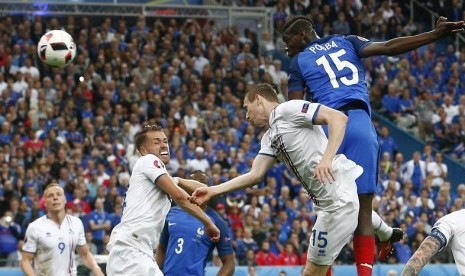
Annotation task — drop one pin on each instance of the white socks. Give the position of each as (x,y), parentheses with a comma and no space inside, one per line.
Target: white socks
(382,230)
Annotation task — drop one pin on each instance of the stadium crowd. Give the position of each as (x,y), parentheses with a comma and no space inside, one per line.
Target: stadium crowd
(76,125)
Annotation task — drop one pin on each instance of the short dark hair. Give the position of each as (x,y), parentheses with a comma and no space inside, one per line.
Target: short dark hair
(140,136)
(263,89)
(199,173)
(297,24)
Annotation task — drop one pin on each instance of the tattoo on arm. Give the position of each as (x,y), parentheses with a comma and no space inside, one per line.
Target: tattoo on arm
(428,248)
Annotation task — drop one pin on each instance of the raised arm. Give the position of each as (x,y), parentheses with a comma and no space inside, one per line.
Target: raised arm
(182,199)
(261,164)
(404,44)
(188,185)
(428,248)
(337,123)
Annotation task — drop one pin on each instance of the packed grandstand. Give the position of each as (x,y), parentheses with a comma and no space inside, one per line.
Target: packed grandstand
(76,125)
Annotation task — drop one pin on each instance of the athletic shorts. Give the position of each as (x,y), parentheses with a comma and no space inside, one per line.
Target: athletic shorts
(126,260)
(331,232)
(361,145)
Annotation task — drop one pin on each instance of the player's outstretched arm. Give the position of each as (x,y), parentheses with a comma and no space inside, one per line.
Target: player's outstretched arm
(404,44)
(88,260)
(428,248)
(188,185)
(261,164)
(337,123)
(26,265)
(181,198)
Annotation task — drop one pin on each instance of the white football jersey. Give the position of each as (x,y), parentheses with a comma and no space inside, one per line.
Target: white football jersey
(451,229)
(294,140)
(54,245)
(145,207)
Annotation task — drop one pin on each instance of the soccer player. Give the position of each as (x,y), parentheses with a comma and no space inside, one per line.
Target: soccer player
(450,229)
(183,247)
(330,71)
(51,240)
(147,201)
(295,137)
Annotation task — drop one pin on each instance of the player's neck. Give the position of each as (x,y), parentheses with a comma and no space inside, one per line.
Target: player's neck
(57,217)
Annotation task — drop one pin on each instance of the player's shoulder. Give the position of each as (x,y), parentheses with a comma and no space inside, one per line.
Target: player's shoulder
(291,107)
(38,223)
(148,160)
(73,220)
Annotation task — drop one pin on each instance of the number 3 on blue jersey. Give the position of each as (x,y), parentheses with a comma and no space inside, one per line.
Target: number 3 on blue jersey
(340,65)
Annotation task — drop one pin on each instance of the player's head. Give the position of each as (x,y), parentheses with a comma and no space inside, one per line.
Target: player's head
(256,101)
(54,196)
(152,140)
(199,176)
(297,33)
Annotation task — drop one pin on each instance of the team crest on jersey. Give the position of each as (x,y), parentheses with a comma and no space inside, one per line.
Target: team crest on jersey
(158,164)
(362,38)
(48,235)
(305,108)
(200,232)
(321,252)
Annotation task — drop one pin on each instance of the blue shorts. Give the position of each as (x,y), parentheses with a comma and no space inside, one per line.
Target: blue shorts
(361,145)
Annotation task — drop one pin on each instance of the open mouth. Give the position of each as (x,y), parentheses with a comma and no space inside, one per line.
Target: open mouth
(164,153)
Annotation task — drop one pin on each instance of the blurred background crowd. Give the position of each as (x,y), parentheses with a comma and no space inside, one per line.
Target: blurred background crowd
(76,125)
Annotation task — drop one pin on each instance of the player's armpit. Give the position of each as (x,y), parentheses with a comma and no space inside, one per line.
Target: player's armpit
(428,248)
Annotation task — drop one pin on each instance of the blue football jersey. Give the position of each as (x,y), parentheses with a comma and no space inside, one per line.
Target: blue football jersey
(187,245)
(332,70)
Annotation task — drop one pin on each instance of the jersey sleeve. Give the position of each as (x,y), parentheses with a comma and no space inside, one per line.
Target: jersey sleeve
(302,113)
(224,245)
(265,147)
(443,231)
(153,167)
(30,240)
(82,236)
(359,43)
(295,80)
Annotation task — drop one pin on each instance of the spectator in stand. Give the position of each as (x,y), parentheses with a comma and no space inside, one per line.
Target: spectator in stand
(415,172)
(265,257)
(437,172)
(387,143)
(99,224)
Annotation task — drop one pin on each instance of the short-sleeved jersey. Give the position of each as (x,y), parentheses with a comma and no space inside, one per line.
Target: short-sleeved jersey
(450,229)
(295,140)
(188,246)
(145,207)
(54,245)
(332,69)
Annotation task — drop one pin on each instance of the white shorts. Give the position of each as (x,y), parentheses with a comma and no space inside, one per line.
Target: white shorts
(126,260)
(331,232)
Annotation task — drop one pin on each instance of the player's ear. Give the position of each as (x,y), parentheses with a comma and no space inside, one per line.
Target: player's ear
(142,151)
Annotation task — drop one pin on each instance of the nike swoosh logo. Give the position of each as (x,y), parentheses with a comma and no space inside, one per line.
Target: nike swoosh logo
(171,223)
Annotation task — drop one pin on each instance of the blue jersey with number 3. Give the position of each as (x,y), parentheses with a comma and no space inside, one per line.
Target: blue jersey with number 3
(188,246)
(332,69)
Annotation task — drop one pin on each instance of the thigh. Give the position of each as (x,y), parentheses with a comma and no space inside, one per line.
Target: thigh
(331,232)
(361,145)
(125,260)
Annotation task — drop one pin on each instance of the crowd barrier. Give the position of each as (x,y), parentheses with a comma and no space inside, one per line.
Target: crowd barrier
(343,270)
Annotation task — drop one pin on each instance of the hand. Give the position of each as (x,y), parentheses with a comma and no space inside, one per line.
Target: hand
(213,232)
(323,172)
(443,27)
(201,195)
